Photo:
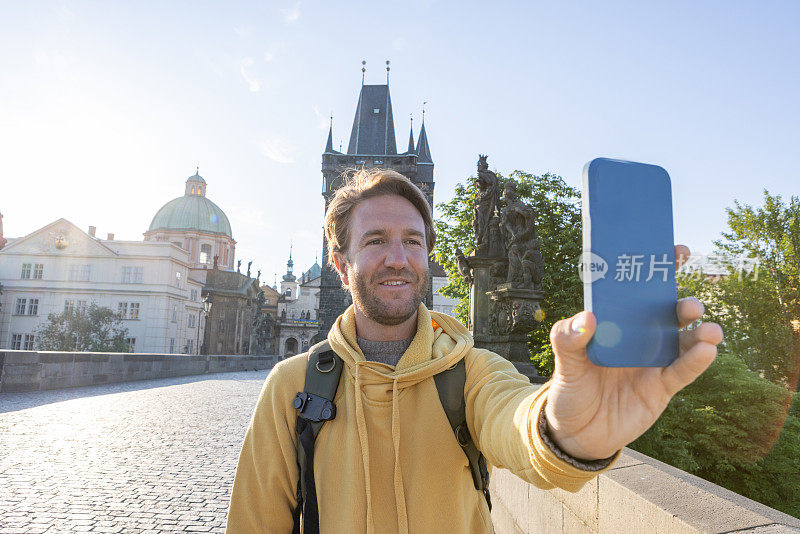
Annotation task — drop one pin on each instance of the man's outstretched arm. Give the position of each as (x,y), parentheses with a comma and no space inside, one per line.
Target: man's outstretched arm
(592,412)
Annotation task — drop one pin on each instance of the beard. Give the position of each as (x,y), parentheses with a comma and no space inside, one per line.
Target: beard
(389,312)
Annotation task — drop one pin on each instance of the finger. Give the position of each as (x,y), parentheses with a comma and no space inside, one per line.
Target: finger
(705,333)
(688,367)
(569,337)
(689,310)
(682,254)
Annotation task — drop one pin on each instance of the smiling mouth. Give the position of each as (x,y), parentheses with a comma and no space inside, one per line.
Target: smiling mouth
(394,283)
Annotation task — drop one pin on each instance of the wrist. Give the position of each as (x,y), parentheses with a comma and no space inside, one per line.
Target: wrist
(567,443)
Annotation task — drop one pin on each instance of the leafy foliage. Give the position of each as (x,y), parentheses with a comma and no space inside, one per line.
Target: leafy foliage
(731,427)
(97,330)
(766,310)
(558,224)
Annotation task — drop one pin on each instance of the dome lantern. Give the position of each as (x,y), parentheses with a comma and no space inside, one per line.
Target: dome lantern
(195,185)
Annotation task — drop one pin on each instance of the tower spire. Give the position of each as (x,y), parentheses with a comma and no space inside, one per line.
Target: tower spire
(387,71)
(329,144)
(411,134)
(363,70)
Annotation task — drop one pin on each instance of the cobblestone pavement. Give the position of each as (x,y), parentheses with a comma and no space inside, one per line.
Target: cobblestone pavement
(153,456)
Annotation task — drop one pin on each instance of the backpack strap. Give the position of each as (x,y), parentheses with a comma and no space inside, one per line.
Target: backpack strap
(314,406)
(450,385)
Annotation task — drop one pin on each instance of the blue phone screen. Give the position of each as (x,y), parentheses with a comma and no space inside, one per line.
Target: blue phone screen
(629,277)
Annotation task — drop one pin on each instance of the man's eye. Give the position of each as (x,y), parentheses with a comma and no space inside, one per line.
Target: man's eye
(375,242)
(415,242)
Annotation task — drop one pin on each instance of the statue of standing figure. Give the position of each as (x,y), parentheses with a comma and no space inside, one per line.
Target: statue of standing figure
(484,207)
(518,224)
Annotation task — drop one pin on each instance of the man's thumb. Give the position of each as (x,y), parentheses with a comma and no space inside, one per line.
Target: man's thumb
(569,337)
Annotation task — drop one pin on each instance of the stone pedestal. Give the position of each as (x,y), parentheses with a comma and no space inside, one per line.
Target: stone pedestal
(479,295)
(502,318)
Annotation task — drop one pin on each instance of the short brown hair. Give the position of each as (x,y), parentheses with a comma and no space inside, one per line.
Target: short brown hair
(364,184)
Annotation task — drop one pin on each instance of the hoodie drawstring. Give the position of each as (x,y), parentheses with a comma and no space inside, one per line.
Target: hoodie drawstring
(399,492)
(362,438)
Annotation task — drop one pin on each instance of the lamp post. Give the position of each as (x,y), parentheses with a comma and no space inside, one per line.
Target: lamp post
(204,314)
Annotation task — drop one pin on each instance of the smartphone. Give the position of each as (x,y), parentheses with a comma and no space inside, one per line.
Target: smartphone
(628,263)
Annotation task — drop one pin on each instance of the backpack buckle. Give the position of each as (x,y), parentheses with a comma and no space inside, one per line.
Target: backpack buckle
(313,408)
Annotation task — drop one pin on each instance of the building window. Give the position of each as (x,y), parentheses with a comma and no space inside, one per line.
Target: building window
(191,320)
(190,346)
(81,308)
(177,279)
(26,271)
(266,301)
(221,325)
(69,306)
(174,313)
(38,271)
(33,307)
(132,275)
(16,341)
(131,341)
(172,345)
(20,309)
(193,295)
(205,253)
(28,345)
(128,310)
(80,272)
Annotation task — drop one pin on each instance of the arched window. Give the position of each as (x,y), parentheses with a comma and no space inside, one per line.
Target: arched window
(291,346)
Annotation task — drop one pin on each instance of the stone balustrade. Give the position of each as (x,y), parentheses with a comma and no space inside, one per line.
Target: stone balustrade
(22,370)
(638,495)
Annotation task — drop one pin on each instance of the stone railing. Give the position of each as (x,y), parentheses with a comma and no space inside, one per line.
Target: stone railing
(23,370)
(638,495)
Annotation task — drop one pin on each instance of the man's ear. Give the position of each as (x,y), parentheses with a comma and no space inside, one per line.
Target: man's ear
(342,268)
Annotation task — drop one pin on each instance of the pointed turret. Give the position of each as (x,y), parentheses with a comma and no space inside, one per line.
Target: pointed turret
(424,160)
(411,148)
(423,150)
(329,144)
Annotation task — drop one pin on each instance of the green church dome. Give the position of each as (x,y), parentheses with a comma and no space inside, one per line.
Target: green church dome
(193,211)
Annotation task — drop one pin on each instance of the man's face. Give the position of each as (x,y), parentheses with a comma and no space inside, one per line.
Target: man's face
(386,265)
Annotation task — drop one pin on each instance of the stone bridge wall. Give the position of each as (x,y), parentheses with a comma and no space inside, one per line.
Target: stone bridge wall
(22,370)
(638,495)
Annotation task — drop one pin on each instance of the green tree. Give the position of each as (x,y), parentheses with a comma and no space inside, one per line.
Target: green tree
(98,329)
(731,427)
(764,310)
(558,224)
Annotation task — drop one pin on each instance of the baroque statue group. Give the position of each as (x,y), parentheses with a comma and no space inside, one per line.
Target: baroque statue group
(505,271)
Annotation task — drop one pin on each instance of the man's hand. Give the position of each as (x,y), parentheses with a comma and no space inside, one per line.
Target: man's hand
(594,411)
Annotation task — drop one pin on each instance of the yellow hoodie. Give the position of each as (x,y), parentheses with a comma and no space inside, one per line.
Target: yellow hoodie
(389,462)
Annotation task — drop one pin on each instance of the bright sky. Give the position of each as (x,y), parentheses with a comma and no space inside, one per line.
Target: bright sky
(106,107)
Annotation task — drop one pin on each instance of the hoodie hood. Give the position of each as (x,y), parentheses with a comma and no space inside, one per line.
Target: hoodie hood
(439,343)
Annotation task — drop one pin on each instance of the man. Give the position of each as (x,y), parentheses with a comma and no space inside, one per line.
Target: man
(389,462)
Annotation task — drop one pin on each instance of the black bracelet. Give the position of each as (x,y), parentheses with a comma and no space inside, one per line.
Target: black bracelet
(583,465)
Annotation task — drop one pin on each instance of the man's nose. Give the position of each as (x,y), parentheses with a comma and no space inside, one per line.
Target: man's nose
(396,256)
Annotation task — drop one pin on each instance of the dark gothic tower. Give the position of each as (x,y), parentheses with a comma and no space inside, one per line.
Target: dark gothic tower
(372,144)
